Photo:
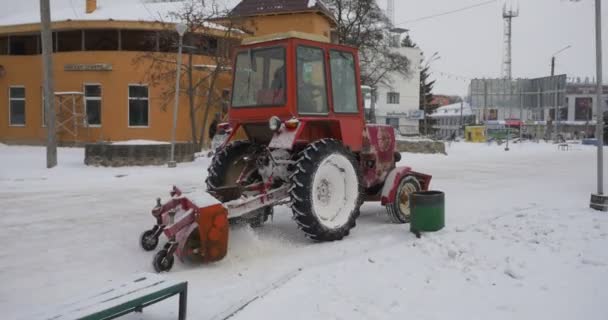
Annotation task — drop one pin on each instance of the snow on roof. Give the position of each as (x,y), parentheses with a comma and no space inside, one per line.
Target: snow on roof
(452,110)
(28,11)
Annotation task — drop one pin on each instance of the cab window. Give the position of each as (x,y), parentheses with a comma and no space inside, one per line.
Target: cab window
(312,89)
(259,78)
(343,82)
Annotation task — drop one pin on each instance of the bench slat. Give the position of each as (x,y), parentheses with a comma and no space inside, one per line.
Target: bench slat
(137,291)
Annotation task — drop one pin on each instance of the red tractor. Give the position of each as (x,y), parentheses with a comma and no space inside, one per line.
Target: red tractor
(297,135)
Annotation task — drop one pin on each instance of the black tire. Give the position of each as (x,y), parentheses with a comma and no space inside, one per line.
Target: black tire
(301,192)
(223,171)
(148,241)
(162,261)
(395,210)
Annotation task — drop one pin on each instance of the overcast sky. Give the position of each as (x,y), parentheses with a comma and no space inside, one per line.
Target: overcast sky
(470,42)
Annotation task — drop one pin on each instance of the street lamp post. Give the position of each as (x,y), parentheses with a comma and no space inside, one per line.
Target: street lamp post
(556,89)
(181,30)
(599,201)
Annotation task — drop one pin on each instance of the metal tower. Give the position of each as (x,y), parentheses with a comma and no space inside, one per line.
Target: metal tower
(390,11)
(508,15)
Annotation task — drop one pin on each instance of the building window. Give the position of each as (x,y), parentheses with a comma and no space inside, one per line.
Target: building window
(24,45)
(3,45)
(69,41)
(582,109)
(138,106)
(393,122)
(138,40)
(92,104)
(101,40)
(16,106)
(392,97)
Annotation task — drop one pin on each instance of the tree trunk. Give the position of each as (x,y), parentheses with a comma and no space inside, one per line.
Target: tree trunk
(191,101)
(208,104)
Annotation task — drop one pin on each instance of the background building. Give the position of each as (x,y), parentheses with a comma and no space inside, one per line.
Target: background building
(534,102)
(397,102)
(450,119)
(262,17)
(102,77)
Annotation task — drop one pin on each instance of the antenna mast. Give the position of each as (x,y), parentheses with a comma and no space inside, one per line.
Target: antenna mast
(390,12)
(508,15)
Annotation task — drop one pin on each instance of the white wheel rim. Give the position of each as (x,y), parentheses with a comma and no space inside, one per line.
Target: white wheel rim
(403,197)
(335,190)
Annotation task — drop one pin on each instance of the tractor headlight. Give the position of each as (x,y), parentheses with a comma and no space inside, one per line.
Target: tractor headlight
(274,123)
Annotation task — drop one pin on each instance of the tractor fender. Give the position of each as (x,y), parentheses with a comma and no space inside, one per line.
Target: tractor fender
(389,190)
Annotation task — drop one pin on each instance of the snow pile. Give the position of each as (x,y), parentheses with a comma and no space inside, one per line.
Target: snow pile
(138,142)
(520,243)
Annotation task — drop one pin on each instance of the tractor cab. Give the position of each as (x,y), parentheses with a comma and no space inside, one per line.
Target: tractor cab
(298,82)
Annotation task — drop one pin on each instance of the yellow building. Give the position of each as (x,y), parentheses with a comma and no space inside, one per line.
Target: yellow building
(475,133)
(112,65)
(262,17)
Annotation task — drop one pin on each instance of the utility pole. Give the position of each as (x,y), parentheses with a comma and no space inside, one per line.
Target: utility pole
(181,30)
(461,119)
(49,99)
(485,100)
(556,100)
(599,201)
(521,112)
(555,103)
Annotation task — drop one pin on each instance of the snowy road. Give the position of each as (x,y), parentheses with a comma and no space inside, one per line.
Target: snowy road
(520,243)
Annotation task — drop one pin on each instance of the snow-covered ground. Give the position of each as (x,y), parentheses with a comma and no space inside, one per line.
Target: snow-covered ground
(519,243)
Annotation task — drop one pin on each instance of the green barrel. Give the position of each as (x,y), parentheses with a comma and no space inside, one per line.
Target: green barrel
(428,211)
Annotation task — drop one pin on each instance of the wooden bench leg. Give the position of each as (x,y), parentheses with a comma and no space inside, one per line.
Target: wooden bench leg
(183,304)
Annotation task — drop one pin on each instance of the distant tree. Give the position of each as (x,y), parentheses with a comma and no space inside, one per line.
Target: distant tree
(361,23)
(426,100)
(200,86)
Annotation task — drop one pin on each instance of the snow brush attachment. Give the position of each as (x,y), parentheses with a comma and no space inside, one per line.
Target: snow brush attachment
(213,232)
(195,225)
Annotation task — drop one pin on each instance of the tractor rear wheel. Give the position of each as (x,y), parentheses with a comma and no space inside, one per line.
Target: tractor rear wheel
(326,190)
(225,169)
(399,210)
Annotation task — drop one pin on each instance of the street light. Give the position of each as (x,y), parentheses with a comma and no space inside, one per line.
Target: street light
(181,30)
(555,93)
(599,201)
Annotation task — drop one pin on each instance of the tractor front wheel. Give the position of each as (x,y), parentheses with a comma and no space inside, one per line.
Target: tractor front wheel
(163,261)
(326,192)
(148,240)
(399,210)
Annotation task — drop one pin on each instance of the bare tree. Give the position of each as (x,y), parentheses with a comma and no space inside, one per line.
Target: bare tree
(362,23)
(208,43)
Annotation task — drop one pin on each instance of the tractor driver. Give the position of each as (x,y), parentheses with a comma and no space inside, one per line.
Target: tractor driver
(310,94)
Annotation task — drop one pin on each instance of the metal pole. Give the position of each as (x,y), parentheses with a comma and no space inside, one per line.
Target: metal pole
(49,100)
(426,123)
(599,103)
(372,105)
(172,163)
(461,119)
(521,112)
(485,99)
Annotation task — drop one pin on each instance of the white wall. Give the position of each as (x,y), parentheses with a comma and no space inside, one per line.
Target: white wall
(408,88)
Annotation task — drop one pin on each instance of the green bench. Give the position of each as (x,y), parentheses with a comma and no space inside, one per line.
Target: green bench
(132,295)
